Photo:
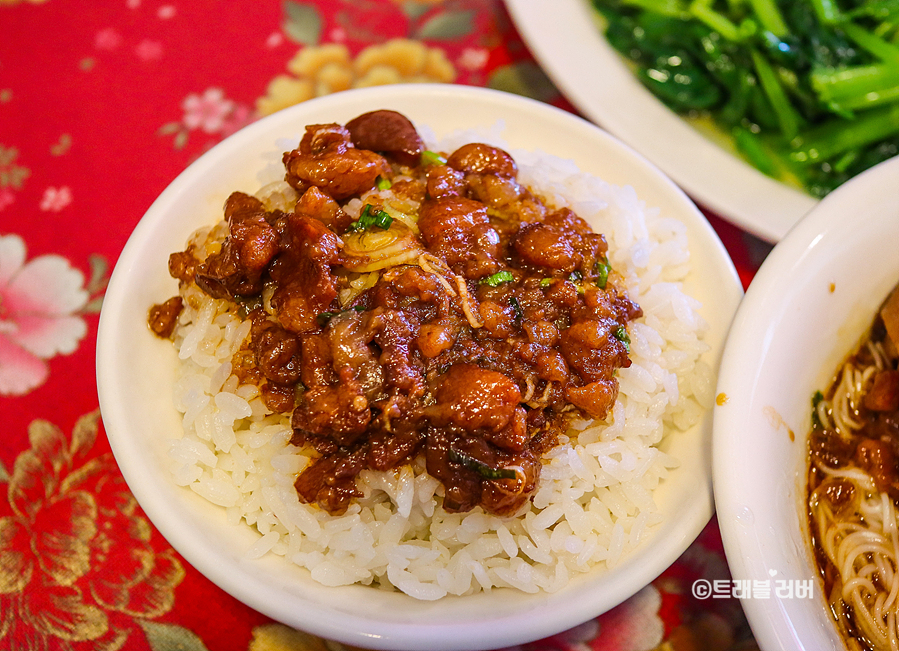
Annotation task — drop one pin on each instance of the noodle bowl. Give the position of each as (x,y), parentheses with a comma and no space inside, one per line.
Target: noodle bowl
(852,485)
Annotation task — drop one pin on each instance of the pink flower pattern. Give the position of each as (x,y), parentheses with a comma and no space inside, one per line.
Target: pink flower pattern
(55,199)
(635,625)
(166,11)
(6,198)
(108,39)
(207,111)
(39,304)
(210,113)
(240,117)
(148,50)
(474,58)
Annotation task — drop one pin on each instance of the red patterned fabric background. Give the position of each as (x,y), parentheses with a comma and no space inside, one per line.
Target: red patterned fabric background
(102,104)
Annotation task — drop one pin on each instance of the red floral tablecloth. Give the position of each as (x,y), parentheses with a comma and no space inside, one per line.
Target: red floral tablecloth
(102,104)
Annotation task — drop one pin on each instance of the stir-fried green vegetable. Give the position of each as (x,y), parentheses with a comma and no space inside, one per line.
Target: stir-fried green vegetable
(808,90)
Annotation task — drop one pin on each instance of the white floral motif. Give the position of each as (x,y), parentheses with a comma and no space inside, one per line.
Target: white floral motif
(39,301)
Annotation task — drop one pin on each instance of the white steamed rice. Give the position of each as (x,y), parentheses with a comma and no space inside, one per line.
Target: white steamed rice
(594,503)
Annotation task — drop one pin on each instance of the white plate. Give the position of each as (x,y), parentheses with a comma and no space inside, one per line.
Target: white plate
(135,371)
(811,301)
(565,38)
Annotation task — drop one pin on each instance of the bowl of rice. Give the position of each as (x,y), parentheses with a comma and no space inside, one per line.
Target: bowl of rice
(809,534)
(617,500)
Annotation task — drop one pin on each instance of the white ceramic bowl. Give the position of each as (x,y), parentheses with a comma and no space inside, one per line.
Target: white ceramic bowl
(135,373)
(805,310)
(569,44)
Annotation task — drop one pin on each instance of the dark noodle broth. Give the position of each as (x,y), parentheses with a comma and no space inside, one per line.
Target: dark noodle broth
(853,487)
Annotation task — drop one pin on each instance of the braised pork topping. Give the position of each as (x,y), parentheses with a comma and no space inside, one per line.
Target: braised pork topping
(454,317)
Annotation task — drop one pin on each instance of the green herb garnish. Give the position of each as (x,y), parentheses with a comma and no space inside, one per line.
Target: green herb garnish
(576,278)
(622,336)
(371,216)
(480,467)
(429,157)
(498,278)
(383,184)
(602,269)
(546,282)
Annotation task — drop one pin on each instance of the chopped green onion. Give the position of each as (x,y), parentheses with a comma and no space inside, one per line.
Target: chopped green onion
(480,467)
(546,282)
(371,216)
(383,184)
(622,336)
(576,278)
(602,270)
(429,157)
(498,278)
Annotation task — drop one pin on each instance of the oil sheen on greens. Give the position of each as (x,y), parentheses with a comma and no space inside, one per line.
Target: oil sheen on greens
(808,90)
